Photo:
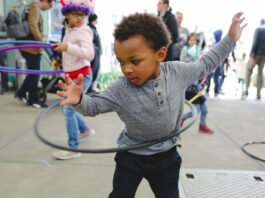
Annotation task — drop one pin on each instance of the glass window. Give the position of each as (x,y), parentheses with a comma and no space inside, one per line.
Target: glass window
(56,21)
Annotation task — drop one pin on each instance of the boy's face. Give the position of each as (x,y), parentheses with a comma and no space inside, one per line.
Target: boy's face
(139,62)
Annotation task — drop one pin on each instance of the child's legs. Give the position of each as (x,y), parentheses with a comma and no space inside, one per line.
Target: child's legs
(74,122)
(242,82)
(164,180)
(71,126)
(126,177)
(187,115)
(82,126)
(87,81)
(198,107)
(204,112)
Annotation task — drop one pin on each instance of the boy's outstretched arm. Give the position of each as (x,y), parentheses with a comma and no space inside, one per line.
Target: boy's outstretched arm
(236,29)
(71,91)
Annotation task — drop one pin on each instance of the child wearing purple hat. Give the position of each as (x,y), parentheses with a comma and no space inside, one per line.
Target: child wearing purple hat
(77,52)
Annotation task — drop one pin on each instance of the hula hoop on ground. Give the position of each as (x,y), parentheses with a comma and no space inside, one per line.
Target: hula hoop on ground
(251,155)
(111,150)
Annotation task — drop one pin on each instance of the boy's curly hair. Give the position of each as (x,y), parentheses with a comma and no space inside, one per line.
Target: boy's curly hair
(152,28)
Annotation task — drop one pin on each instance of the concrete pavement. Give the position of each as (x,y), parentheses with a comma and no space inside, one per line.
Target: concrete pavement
(28,169)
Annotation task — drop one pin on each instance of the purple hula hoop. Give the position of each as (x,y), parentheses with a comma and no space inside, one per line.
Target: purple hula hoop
(25,46)
(17,71)
(33,73)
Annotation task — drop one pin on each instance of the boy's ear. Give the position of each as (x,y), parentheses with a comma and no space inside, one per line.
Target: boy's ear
(161,54)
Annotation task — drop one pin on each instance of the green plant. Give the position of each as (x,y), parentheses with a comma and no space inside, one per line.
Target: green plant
(106,79)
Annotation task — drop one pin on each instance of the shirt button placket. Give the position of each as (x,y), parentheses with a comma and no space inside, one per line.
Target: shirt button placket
(158,92)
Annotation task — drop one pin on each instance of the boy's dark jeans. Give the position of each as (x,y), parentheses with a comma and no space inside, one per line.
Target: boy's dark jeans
(30,84)
(160,170)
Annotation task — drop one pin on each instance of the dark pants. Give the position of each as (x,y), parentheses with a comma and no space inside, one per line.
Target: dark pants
(208,82)
(95,65)
(30,84)
(170,53)
(4,75)
(160,170)
(216,78)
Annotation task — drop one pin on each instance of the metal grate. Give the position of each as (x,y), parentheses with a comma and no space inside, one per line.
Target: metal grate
(222,184)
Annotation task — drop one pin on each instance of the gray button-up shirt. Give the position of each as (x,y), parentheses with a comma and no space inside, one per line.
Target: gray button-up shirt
(154,110)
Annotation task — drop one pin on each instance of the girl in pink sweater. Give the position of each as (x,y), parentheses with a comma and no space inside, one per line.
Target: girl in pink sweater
(77,49)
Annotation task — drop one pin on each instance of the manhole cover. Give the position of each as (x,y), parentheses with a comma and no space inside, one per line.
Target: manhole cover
(222,183)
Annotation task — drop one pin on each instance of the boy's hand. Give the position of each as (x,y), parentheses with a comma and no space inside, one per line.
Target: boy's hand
(235,30)
(71,91)
(60,47)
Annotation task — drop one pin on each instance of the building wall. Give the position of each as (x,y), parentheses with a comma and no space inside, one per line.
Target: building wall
(1,7)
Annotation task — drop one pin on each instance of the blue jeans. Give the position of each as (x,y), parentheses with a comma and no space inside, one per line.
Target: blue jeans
(160,170)
(201,108)
(74,121)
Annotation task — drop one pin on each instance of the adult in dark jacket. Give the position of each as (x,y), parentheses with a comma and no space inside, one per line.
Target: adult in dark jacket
(4,76)
(95,64)
(257,57)
(164,11)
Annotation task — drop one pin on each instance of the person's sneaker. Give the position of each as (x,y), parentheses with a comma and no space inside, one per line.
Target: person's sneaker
(204,129)
(89,132)
(244,95)
(258,97)
(222,93)
(3,91)
(20,98)
(65,155)
(38,105)
(216,97)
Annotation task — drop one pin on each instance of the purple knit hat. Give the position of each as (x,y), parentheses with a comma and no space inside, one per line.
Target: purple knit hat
(87,6)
